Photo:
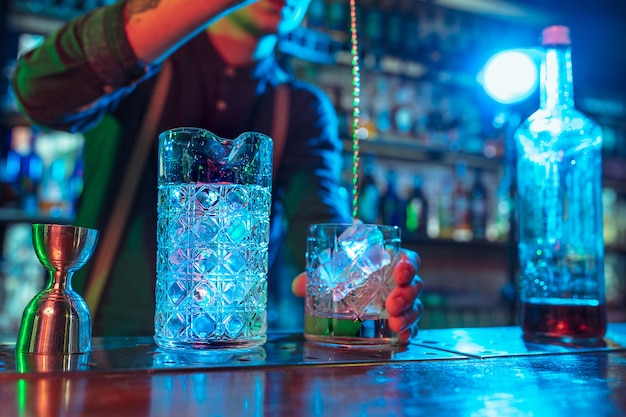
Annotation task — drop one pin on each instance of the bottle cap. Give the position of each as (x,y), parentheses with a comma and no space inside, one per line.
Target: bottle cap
(556,35)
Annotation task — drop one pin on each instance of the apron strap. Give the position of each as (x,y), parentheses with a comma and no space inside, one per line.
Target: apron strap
(111,235)
(280,123)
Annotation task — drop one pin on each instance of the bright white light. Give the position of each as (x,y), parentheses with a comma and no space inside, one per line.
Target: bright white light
(510,76)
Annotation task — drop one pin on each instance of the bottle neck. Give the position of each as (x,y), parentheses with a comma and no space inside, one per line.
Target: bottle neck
(557,87)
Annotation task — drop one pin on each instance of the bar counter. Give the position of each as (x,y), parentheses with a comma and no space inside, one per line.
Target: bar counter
(443,372)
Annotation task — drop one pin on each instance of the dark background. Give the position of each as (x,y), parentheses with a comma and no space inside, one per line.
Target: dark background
(598,32)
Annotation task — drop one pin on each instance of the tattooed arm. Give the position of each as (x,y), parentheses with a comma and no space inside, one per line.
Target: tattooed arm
(82,70)
(156,27)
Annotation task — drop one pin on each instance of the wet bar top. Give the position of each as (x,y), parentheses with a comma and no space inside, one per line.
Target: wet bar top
(469,372)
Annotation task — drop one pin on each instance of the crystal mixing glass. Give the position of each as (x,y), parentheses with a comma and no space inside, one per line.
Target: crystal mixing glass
(212,240)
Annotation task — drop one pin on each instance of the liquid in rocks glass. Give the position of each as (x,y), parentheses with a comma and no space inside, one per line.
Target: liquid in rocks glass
(349,276)
(212,237)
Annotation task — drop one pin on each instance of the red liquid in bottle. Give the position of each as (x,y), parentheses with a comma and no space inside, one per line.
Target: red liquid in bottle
(566,322)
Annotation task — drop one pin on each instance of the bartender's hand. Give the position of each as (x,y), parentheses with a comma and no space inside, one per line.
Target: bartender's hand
(403,303)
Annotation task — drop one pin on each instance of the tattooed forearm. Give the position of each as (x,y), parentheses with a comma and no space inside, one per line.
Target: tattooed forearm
(134,7)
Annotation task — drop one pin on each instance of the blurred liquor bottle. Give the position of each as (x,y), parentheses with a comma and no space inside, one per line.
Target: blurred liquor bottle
(346,185)
(367,122)
(9,172)
(30,168)
(445,214)
(382,107)
(403,113)
(392,208)
(369,198)
(374,25)
(409,34)
(431,33)
(478,206)
(504,207)
(461,205)
(61,185)
(417,209)
(316,15)
(337,15)
(610,216)
(393,27)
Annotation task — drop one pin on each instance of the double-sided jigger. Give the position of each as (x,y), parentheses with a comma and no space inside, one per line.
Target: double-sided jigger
(57,319)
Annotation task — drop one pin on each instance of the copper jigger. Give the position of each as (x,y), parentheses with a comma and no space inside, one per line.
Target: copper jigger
(57,319)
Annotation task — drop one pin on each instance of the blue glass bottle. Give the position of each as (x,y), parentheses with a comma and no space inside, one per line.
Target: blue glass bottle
(559,187)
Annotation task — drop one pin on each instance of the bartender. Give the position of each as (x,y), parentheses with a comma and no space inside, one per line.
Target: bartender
(98,75)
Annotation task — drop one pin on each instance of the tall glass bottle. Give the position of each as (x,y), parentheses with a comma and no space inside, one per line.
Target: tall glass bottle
(560,242)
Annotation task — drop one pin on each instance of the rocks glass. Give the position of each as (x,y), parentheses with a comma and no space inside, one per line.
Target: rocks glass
(212,236)
(349,276)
